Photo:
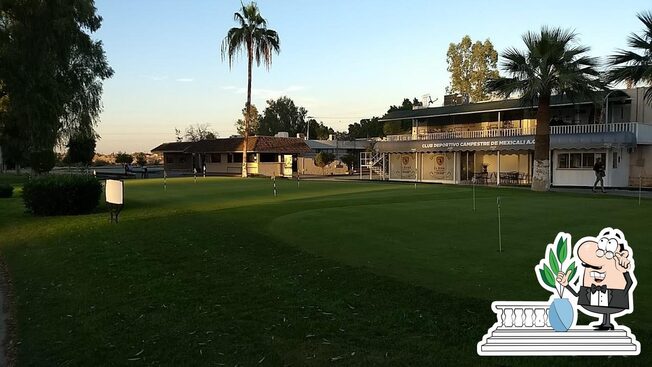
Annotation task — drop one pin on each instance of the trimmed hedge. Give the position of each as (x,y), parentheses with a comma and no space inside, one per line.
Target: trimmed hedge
(6,190)
(62,194)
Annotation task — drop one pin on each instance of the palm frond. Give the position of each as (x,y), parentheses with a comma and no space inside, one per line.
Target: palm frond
(252,29)
(552,62)
(629,65)
(648,95)
(646,18)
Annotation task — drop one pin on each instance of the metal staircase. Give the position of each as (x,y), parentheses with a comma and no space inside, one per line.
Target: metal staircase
(373,163)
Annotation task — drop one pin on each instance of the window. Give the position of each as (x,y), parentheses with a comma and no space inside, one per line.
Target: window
(216,158)
(579,160)
(614,160)
(562,160)
(269,157)
(251,158)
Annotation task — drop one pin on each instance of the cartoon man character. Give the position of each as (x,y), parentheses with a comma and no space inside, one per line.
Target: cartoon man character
(608,281)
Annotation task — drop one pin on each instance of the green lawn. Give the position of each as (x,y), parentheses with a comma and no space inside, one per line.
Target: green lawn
(222,273)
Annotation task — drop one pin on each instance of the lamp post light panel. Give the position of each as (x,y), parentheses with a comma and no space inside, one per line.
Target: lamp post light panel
(114,192)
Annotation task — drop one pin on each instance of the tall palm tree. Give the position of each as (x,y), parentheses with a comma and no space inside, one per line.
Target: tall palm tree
(632,67)
(259,42)
(553,63)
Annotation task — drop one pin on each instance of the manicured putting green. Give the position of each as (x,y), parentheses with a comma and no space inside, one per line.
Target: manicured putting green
(350,273)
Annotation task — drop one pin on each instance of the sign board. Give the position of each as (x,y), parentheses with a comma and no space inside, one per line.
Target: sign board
(114,192)
(498,143)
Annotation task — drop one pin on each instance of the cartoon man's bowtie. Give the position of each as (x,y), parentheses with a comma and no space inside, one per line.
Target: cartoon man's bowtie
(601,288)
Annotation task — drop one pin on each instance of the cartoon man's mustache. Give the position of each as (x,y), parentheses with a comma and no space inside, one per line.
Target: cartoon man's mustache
(591,266)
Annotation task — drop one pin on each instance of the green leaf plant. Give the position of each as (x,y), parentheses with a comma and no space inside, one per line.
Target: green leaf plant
(550,267)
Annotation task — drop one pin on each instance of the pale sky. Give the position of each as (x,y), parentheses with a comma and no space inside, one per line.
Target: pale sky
(343,60)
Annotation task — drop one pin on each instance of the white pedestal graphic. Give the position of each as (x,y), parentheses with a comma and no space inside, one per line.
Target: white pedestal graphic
(523,329)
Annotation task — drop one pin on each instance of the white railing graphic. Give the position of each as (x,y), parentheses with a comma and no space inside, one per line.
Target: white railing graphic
(523,328)
(532,314)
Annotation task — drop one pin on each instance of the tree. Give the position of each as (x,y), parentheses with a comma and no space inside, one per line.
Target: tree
(632,67)
(400,126)
(366,128)
(349,160)
(323,159)
(471,65)
(141,159)
(318,130)
(199,132)
(282,114)
(42,161)
(51,72)
(259,42)
(123,158)
(252,117)
(552,64)
(81,149)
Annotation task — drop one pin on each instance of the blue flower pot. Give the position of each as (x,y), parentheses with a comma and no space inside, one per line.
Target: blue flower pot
(561,314)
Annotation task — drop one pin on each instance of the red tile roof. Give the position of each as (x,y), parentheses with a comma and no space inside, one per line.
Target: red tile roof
(173,147)
(256,144)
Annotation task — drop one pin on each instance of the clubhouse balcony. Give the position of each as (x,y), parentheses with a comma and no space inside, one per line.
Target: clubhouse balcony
(604,129)
(585,136)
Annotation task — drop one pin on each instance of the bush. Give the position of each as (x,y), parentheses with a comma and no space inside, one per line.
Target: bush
(62,194)
(6,190)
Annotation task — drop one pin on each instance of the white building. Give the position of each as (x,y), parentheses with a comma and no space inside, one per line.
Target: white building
(493,142)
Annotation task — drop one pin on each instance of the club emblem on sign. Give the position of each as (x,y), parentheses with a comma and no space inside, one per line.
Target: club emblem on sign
(406,160)
(440,160)
(596,277)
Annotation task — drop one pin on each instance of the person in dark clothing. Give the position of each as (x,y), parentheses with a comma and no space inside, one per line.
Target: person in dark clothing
(599,168)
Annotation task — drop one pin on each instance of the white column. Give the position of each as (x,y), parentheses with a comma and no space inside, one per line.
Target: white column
(498,168)
(455,167)
(416,163)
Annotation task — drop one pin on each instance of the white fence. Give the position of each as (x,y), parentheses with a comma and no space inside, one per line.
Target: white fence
(630,127)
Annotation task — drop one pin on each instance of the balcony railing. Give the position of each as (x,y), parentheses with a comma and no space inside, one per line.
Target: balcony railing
(630,127)
(615,127)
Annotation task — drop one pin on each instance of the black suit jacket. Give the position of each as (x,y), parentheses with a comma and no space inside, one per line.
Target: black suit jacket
(618,298)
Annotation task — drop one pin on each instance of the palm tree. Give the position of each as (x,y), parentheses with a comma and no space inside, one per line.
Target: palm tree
(632,67)
(553,63)
(259,42)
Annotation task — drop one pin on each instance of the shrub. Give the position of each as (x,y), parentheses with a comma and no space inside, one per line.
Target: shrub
(6,190)
(323,159)
(62,194)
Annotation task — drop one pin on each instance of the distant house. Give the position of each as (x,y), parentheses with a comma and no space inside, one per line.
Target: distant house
(266,155)
(174,156)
